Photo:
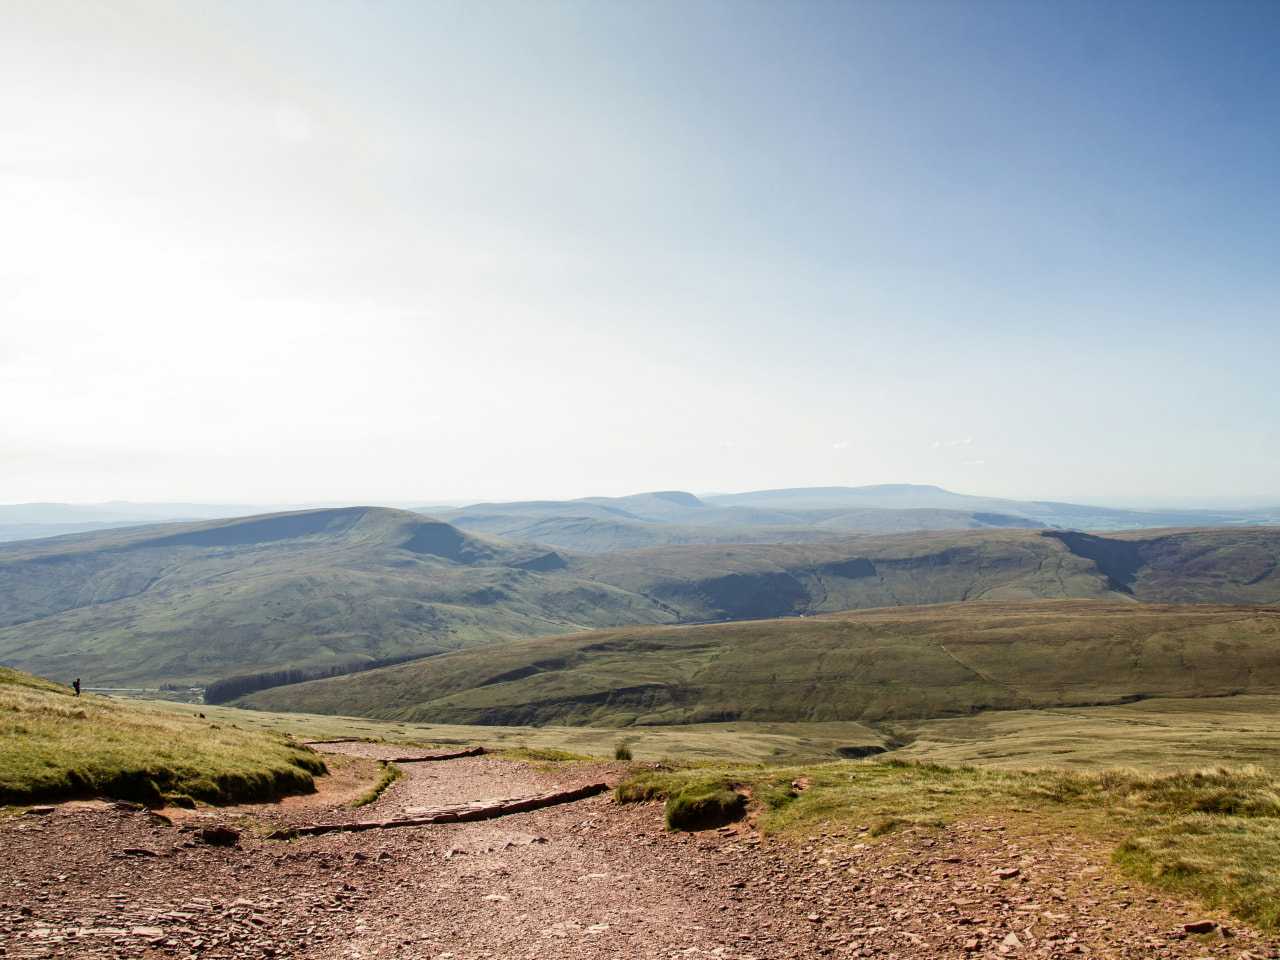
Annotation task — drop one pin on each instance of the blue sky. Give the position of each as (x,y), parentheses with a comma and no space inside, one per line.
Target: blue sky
(294,251)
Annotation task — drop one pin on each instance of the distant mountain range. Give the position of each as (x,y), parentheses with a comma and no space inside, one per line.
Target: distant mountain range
(324,591)
(800,515)
(605,524)
(32,521)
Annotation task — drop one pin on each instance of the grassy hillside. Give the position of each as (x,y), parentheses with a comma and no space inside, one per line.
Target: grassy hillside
(1211,834)
(868,666)
(1161,734)
(1158,735)
(192,603)
(328,590)
(601,534)
(745,581)
(1224,565)
(56,746)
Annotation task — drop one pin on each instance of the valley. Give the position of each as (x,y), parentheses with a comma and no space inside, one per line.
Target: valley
(316,593)
(817,723)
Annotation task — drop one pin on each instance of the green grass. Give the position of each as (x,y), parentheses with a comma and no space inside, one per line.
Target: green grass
(1213,834)
(871,666)
(188,604)
(139,609)
(542,755)
(1152,735)
(55,746)
(390,774)
(748,742)
(704,804)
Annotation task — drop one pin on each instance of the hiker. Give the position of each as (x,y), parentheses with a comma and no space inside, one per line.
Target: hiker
(76,684)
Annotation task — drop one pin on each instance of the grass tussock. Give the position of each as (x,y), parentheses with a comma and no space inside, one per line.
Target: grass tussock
(622,751)
(1210,834)
(694,800)
(704,804)
(390,774)
(54,746)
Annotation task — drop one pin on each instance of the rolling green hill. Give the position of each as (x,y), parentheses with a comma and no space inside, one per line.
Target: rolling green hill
(868,666)
(56,746)
(1219,565)
(333,590)
(192,603)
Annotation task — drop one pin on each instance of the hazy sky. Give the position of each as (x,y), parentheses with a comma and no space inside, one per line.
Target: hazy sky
(272,251)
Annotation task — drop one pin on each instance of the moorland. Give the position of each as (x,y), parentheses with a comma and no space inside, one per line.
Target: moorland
(288,597)
(853,679)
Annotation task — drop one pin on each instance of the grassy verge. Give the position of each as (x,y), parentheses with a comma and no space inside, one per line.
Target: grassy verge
(54,746)
(542,755)
(390,774)
(1214,835)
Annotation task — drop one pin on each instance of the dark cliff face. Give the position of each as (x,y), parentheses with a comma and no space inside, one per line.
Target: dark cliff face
(855,568)
(543,563)
(447,542)
(1118,560)
(741,596)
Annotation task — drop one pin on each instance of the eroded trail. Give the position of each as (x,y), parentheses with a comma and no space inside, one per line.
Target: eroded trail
(588,879)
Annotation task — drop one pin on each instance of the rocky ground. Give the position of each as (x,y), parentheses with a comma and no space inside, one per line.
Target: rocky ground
(583,880)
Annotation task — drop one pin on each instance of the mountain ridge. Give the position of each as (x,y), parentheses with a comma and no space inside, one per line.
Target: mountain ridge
(197,603)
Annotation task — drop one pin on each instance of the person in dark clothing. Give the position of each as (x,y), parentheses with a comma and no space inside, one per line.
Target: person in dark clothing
(76,684)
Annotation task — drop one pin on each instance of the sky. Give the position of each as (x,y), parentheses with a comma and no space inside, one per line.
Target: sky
(277,252)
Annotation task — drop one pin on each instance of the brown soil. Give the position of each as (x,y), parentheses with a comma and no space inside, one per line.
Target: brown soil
(585,880)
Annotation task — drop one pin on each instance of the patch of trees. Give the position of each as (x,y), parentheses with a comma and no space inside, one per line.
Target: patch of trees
(232,688)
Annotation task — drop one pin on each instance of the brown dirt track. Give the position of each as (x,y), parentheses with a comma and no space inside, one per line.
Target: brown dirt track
(584,880)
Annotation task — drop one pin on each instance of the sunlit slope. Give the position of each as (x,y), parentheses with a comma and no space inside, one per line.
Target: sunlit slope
(739,582)
(191,603)
(56,746)
(335,589)
(1216,565)
(873,665)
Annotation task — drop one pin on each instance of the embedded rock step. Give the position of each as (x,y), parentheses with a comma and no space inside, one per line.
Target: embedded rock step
(458,755)
(463,813)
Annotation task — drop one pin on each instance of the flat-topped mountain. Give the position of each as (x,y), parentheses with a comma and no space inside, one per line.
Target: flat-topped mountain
(672,517)
(799,515)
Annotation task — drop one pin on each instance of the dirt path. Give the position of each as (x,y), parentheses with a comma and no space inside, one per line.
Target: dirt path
(586,880)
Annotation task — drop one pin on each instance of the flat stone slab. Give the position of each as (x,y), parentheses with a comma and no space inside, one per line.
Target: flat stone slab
(460,813)
(458,755)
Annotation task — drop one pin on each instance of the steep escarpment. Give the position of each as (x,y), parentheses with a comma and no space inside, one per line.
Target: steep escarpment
(1224,565)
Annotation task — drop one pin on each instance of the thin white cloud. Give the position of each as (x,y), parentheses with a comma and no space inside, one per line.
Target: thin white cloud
(959,442)
(840,445)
